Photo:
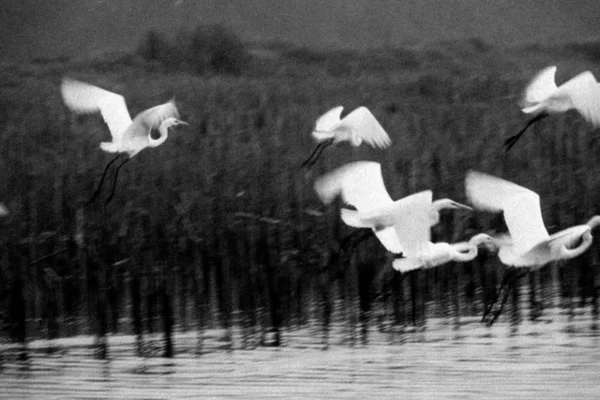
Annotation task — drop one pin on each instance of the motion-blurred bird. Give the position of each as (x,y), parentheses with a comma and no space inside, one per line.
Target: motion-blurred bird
(402,226)
(527,244)
(129,136)
(434,254)
(542,97)
(358,126)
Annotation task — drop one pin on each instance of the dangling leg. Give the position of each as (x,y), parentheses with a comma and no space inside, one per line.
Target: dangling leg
(115,182)
(305,163)
(317,153)
(507,276)
(512,284)
(351,241)
(102,180)
(326,144)
(340,257)
(510,142)
(391,275)
(347,247)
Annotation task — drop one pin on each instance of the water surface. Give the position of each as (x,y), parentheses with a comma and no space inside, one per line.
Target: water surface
(556,356)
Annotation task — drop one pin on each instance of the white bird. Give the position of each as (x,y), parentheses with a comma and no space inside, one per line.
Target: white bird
(358,126)
(434,254)
(402,226)
(542,97)
(527,245)
(128,136)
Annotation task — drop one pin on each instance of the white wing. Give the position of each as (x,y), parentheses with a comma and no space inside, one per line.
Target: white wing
(541,86)
(401,226)
(366,126)
(413,226)
(583,92)
(329,120)
(359,183)
(152,118)
(385,231)
(85,98)
(389,240)
(521,207)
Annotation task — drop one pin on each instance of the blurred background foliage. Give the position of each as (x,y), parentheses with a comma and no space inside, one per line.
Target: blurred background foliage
(208,48)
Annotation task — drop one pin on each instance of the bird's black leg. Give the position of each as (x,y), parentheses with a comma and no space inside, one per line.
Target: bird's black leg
(351,241)
(509,283)
(495,315)
(510,142)
(307,162)
(507,276)
(312,159)
(115,181)
(325,144)
(394,275)
(318,155)
(511,286)
(345,251)
(102,180)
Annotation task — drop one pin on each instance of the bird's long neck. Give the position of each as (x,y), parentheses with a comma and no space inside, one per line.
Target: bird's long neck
(594,222)
(484,239)
(164,134)
(479,239)
(440,204)
(586,242)
(434,217)
(355,138)
(463,252)
(436,207)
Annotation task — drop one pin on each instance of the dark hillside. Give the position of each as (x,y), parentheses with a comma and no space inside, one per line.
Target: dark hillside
(38,28)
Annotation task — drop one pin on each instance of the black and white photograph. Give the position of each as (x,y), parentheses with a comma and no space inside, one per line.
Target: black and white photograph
(299,199)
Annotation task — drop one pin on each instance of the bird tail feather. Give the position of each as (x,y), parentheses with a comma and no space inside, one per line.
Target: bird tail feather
(404,265)
(532,109)
(351,218)
(321,136)
(110,147)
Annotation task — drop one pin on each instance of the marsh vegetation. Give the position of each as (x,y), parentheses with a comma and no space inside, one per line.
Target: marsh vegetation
(219,227)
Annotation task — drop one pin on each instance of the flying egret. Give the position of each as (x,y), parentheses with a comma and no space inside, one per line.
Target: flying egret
(358,126)
(402,226)
(542,97)
(434,254)
(527,246)
(129,136)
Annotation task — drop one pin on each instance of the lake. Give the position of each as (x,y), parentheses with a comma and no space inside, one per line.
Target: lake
(554,356)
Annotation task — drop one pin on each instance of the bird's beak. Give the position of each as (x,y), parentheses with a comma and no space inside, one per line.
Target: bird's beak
(460,206)
(180,123)
(483,239)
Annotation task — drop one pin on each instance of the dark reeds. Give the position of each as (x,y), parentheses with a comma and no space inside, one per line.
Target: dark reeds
(218,232)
